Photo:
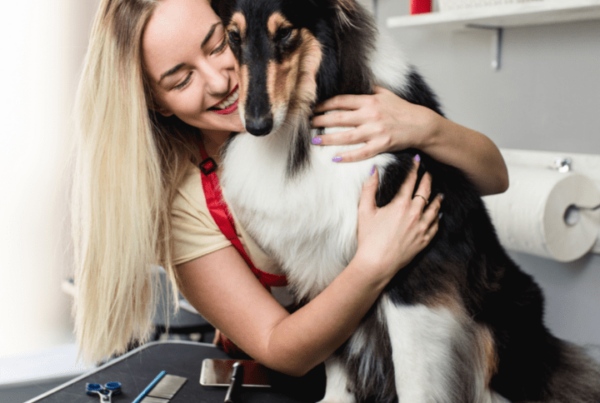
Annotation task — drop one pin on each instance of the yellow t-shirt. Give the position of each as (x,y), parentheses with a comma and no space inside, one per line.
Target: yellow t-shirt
(196,233)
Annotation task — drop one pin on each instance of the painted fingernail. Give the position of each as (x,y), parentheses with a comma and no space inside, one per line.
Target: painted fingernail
(442,196)
(317,140)
(440,215)
(337,159)
(373,170)
(418,158)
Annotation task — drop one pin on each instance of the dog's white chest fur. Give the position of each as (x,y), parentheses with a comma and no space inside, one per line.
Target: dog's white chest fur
(307,222)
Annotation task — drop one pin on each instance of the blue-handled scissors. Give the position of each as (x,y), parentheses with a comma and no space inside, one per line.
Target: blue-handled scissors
(105,392)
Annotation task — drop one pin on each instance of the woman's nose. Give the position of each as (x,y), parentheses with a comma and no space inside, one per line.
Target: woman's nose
(218,76)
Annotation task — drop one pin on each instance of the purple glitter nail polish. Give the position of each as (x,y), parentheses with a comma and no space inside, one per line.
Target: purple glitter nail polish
(337,159)
(317,140)
(373,170)
(418,158)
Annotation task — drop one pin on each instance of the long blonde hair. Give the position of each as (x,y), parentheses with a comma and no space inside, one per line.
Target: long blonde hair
(129,164)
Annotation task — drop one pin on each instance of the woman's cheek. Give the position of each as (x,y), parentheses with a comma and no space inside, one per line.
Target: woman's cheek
(191,104)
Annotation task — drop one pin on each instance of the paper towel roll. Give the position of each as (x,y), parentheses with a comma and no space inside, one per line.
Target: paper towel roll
(531,216)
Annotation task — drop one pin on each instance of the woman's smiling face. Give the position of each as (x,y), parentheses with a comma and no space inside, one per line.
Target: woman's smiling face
(190,67)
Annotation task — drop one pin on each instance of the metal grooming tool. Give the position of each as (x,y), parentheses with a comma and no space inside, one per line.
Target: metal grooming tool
(219,373)
(162,389)
(167,387)
(236,382)
(149,387)
(149,399)
(104,392)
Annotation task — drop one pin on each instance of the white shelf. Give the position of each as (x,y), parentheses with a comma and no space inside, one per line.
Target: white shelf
(513,15)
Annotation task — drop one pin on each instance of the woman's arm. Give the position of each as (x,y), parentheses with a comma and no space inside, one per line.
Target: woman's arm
(224,290)
(386,122)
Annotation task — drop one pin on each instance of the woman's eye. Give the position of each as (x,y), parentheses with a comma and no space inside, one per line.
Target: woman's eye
(234,37)
(219,48)
(184,82)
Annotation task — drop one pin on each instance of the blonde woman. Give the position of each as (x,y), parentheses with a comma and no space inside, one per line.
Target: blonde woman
(159,76)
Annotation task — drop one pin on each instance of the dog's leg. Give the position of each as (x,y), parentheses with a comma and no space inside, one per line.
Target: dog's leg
(336,390)
(433,361)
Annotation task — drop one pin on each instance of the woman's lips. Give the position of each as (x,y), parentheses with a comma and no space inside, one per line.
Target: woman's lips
(234,94)
(230,109)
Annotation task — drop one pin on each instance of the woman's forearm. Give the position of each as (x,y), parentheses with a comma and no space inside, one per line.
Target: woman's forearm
(225,292)
(471,152)
(324,324)
(385,122)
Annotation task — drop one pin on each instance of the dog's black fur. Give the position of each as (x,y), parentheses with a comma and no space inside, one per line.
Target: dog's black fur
(465,257)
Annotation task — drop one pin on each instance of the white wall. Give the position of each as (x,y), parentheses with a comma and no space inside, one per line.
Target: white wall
(545,97)
(42,48)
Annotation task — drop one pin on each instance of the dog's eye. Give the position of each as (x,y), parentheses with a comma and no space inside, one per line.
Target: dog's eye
(283,34)
(234,37)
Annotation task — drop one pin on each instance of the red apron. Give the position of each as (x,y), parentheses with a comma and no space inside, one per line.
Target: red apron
(220,213)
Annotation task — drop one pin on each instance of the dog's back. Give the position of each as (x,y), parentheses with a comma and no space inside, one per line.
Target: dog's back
(462,318)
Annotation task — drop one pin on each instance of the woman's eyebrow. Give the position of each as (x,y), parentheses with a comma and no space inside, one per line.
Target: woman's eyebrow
(209,35)
(171,72)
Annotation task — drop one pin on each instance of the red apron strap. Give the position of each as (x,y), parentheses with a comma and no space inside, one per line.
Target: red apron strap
(220,213)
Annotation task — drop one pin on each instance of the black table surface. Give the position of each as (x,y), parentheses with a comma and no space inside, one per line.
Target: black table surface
(139,367)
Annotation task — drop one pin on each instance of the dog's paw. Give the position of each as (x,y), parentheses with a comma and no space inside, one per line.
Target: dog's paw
(336,390)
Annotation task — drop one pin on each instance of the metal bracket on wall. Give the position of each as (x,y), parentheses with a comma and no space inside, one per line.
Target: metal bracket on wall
(496,43)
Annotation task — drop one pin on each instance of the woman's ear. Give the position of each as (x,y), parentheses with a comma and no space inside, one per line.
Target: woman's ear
(152,103)
(165,112)
(162,110)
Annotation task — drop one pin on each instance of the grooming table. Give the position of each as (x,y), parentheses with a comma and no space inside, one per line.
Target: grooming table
(136,369)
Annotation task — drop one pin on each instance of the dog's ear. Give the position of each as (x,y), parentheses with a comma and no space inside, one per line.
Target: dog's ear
(345,9)
(347,5)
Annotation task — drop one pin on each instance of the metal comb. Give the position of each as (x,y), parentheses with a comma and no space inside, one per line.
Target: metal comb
(168,386)
(153,400)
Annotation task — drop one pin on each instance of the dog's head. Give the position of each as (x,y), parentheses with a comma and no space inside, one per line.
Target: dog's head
(280,46)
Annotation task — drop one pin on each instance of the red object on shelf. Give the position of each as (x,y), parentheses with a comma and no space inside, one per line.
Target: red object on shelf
(420,6)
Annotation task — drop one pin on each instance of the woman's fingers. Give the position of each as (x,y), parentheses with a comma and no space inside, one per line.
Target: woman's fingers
(362,153)
(407,188)
(432,211)
(367,204)
(341,102)
(371,135)
(343,118)
(344,137)
(391,236)
(432,230)
(421,196)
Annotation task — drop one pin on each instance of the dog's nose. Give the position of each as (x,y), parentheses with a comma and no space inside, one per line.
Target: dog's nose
(259,126)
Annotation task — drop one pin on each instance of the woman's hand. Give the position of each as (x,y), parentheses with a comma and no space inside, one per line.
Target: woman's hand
(391,236)
(225,291)
(384,121)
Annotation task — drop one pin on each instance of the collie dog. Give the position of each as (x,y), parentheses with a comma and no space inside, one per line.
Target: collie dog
(461,323)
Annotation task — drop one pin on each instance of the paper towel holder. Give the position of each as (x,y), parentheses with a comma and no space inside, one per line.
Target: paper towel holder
(572,213)
(562,165)
(585,164)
